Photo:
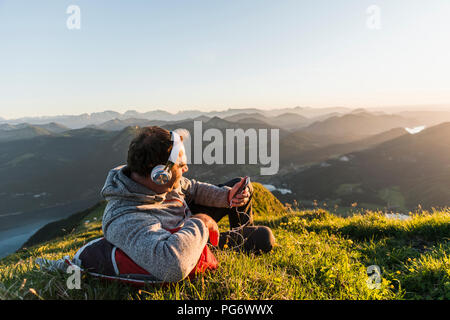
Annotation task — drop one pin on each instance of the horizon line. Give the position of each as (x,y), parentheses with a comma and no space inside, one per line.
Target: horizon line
(402,106)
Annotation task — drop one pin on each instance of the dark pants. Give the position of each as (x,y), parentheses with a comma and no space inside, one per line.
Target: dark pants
(243,234)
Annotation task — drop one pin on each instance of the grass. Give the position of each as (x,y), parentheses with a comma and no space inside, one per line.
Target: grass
(318,255)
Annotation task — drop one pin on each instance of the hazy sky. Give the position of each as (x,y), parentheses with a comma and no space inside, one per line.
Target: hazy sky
(215,54)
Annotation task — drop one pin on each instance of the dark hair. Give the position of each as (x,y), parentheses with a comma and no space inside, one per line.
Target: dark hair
(148,149)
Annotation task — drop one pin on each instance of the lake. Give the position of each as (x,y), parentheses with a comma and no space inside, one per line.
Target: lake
(16,229)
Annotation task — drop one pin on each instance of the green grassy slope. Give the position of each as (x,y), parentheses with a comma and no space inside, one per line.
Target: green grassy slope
(317,256)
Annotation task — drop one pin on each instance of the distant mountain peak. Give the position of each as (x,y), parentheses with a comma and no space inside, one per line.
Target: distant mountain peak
(360,110)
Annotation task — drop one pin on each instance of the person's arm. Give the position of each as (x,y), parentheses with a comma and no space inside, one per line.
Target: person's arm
(169,257)
(212,196)
(205,194)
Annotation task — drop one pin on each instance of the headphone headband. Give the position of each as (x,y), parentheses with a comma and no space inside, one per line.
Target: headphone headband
(161,173)
(176,147)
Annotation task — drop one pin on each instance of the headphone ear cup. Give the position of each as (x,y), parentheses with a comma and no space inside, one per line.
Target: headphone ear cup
(160,175)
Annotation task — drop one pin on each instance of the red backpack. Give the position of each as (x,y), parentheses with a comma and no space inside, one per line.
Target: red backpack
(101,259)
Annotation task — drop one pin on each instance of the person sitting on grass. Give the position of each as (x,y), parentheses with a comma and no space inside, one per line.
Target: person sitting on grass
(162,220)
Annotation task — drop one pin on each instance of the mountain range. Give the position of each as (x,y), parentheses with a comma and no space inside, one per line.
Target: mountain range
(357,156)
(399,174)
(426,115)
(357,125)
(96,118)
(9,132)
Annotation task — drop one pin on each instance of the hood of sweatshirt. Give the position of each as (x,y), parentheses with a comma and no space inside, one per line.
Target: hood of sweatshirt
(119,185)
(124,195)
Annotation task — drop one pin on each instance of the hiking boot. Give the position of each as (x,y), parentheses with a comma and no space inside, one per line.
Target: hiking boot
(250,239)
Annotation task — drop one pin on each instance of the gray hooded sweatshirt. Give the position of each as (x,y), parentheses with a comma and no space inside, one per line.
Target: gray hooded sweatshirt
(137,220)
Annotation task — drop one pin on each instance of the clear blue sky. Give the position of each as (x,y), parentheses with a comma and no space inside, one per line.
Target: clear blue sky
(215,54)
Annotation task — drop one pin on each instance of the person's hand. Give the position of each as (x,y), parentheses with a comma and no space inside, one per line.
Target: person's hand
(238,200)
(212,227)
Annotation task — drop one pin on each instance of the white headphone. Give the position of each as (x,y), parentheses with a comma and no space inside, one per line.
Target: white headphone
(161,173)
